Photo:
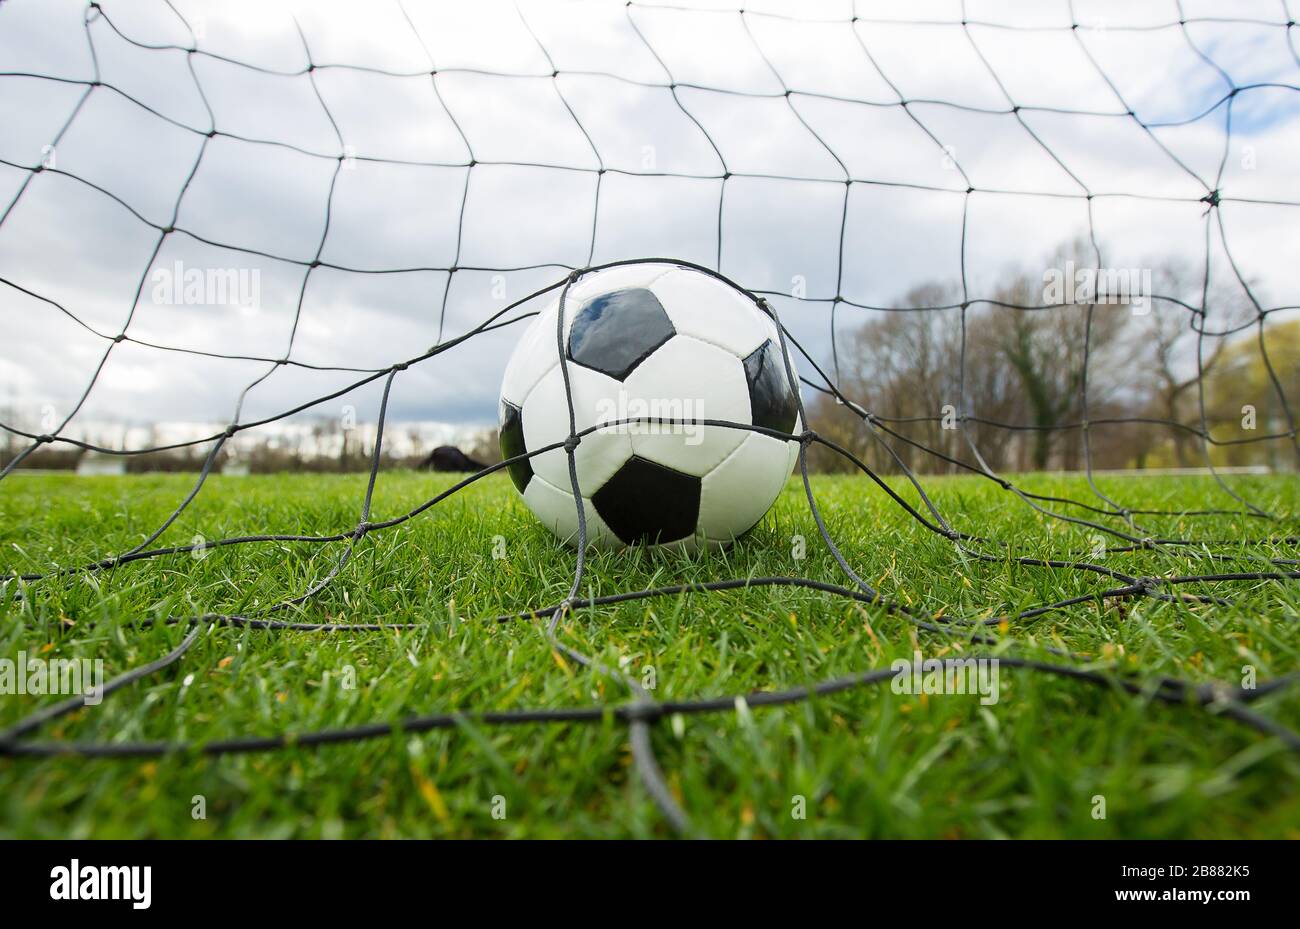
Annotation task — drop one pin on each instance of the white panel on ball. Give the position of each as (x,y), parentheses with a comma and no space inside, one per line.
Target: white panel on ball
(793,447)
(708,383)
(708,309)
(534,355)
(619,277)
(735,495)
(546,421)
(557,512)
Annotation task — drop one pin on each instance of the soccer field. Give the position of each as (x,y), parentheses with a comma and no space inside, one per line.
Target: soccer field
(1051,754)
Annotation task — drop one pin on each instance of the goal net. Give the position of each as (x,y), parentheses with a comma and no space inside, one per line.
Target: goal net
(1056,240)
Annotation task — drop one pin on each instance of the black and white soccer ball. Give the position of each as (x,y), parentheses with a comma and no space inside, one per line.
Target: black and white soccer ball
(651,341)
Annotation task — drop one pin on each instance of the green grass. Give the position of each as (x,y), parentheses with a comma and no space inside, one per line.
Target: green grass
(867,761)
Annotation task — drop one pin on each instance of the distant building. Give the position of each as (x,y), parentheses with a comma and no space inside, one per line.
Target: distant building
(92,463)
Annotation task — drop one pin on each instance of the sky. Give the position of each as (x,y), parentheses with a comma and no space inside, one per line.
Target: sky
(557,134)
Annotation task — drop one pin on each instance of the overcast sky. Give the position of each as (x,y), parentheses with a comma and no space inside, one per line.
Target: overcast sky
(263,179)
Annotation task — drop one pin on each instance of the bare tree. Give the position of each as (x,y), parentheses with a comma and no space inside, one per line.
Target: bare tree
(1180,356)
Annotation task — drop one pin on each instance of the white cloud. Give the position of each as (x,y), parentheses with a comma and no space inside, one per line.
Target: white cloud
(67,241)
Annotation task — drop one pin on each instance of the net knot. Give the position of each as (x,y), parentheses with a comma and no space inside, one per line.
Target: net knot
(400,366)
(1147,584)
(571,444)
(44,439)
(642,711)
(230,430)
(1212,198)
(363,527)
(806,437)
(1215,692)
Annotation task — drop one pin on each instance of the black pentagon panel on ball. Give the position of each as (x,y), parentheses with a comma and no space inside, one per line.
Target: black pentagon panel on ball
(649,503)
(772,400)
(615,332)
(512,444)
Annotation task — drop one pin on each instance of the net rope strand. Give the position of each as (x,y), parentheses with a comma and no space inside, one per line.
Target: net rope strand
(642,711)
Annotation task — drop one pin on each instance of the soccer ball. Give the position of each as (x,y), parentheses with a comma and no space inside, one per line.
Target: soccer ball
(651,342)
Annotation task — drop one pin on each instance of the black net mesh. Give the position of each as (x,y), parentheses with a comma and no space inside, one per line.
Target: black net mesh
(1118,522)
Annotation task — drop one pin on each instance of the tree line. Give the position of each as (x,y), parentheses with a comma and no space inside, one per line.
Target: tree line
(1027,385)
